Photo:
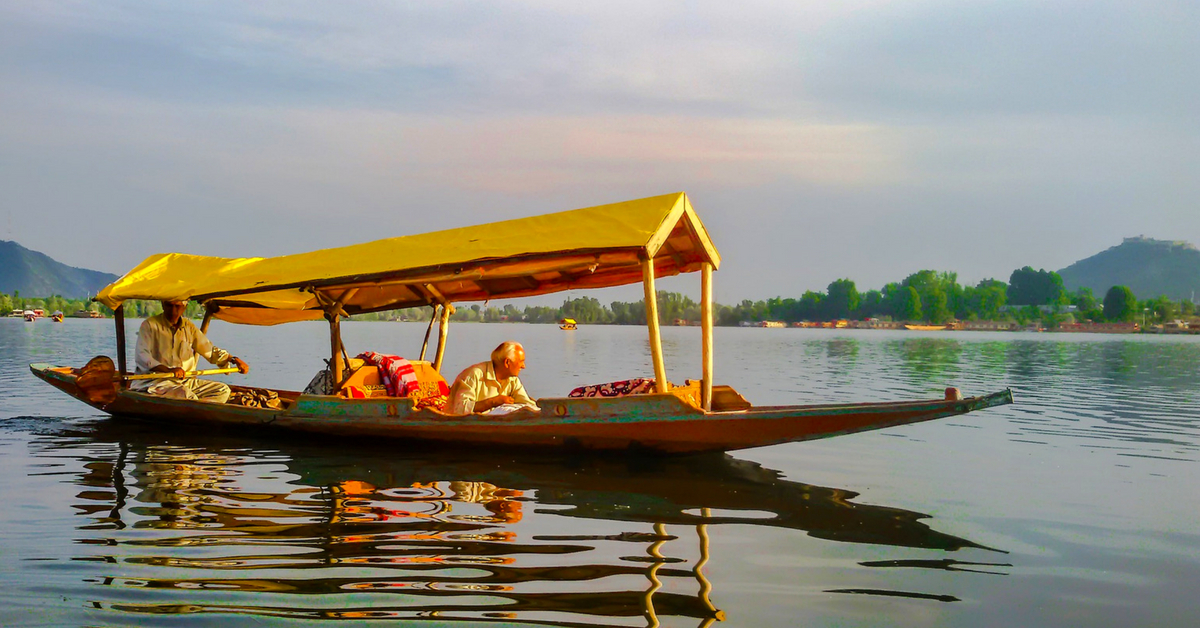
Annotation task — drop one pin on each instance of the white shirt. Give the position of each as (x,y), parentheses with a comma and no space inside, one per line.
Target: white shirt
(160,344)
(478,381)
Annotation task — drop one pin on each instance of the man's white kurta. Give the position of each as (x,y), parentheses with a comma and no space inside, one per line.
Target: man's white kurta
(160,344)
(478,381)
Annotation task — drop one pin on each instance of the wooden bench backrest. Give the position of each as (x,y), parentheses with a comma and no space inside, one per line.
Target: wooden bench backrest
(367,377)
(724,398)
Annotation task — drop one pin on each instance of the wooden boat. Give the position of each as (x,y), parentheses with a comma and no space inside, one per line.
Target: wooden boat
(30,316)
(911,327)
(607,245)
(57,317)
(567,324)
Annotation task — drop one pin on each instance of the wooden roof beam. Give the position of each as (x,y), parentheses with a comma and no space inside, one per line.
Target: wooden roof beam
(674,254)
(436,294)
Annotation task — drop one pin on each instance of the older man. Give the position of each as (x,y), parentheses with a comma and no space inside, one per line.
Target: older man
(487,385)
(169,343)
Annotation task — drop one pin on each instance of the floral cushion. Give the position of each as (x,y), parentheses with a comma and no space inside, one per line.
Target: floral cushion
(637,386)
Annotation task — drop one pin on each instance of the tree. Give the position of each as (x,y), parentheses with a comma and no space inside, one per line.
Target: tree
(871,305)
(1084,300)
(932,288)
(1162,309)
(541,314)
(1054,320)
(726,315)
(909,304)
(935,307)
(891,299)
(780,309)
(1027,286)
(630,313)
(673,305)
(465,314)
(585,310)
(956,298)
(810,306)
(843,299)
(986,299)
(1120,304)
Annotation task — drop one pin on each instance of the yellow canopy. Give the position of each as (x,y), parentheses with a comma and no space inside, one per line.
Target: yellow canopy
(594,247)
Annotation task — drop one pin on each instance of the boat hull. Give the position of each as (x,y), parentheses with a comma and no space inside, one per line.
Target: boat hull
(661,423)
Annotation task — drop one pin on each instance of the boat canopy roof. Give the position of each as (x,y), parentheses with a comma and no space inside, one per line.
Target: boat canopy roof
(593,247)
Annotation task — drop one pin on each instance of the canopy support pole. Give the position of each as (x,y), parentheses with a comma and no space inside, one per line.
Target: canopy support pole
(660,370)
(334,312)
(443,329)
(119,317)
(335,344)
(425,345)
(706,336)
(208,315)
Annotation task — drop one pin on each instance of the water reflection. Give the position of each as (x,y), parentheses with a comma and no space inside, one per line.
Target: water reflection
(1136,398)
(1088,481)
(192,525)
(926,358)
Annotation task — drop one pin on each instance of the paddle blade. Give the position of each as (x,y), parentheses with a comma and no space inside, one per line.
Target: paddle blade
(97,380)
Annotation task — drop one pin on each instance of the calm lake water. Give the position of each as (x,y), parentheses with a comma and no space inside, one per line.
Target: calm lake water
(1078,506)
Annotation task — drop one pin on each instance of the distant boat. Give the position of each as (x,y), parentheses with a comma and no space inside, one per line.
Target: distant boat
(30,316)
(57,316)
(924,327)
(567,324)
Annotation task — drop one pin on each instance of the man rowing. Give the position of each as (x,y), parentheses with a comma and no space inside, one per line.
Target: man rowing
(492,384)
(169,343)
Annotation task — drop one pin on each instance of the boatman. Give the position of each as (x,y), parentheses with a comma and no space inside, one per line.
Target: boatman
(493,384)
(169,343)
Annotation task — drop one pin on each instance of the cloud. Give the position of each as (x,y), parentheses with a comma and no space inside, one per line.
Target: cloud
(844,63)
(936,60)
(819,140)
(435,57)
(482,152)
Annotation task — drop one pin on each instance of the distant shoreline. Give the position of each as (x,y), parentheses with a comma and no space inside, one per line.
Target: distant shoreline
(1186,329)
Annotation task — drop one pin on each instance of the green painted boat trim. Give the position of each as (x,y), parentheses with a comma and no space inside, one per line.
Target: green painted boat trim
(653,422)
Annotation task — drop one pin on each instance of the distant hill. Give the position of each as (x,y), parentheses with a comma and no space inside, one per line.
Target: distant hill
(1149,267)
(37,275)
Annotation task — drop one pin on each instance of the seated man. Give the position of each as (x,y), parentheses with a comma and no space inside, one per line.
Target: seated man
(169,343)
(487,385)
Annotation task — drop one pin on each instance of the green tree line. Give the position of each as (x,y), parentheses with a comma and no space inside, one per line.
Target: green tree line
(55,303)
(134,308)
(924,296)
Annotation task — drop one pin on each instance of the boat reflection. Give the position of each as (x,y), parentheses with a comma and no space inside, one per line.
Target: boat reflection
(194,524)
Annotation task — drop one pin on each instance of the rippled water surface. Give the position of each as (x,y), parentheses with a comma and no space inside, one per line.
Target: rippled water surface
(1078,506)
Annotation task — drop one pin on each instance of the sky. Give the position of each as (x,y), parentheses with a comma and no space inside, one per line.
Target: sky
(817,140)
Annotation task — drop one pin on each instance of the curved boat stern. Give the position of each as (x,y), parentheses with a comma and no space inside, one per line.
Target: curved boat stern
(62,378)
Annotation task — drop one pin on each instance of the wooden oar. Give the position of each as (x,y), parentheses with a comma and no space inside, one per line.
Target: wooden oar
(224,371)
(98,380)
